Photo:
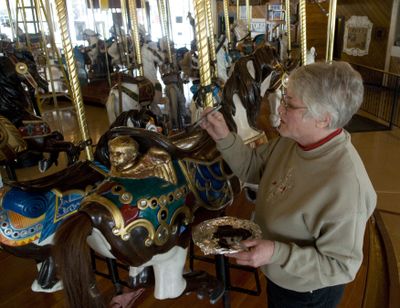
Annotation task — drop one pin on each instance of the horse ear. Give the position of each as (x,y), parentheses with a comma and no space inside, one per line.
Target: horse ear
(265,85)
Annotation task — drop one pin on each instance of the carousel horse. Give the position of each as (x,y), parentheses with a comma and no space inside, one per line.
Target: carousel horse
(116,48)
(190,68)
(99,65)
(24,136)
(119,99)
(27,74)
(31,211)
(128,93)
(141,214)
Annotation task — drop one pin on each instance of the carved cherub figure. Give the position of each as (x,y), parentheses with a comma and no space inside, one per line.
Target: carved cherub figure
(127,161)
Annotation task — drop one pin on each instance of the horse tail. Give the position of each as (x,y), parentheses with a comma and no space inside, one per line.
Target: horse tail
(110,106)
(72,256)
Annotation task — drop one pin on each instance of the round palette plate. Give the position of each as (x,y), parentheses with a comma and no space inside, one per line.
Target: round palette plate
(204,234)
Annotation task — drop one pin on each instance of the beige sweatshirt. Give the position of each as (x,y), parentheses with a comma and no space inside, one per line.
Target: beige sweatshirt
(314,204)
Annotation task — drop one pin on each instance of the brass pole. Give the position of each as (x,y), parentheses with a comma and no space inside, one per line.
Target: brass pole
(330,31)
(237,10)
(124,40)
(94,19)
(248,16)
(210,26)
(303,31)
(164,28)
(288,28)
(143,4)
(38,5)
(27,36)
(62,15)
(160,13)
(169,21)
(135,35)
(202,47)
(11,20)
(227,26)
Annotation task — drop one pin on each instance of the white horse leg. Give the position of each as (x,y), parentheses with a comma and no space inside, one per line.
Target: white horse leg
(168,273)
(173,102)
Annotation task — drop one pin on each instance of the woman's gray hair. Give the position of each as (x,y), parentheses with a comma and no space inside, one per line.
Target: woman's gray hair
(335,89)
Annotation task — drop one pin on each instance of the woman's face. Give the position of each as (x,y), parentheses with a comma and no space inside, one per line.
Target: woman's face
(294,124)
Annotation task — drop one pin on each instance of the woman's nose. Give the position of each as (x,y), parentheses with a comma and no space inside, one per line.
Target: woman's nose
(281,109)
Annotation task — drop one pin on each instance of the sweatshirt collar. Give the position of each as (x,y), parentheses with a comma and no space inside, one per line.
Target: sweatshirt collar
(321,142)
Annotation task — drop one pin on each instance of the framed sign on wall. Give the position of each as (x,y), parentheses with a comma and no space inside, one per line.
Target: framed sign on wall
(357,36)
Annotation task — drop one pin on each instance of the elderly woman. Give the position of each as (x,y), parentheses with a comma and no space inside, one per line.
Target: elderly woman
(315,196)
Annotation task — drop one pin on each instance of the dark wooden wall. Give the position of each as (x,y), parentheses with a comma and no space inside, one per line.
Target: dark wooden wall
(378,12)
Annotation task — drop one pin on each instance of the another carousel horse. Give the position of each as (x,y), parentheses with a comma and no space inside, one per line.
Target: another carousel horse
(31,211)
(128,93)
(117,49)
(141,214)
(27,73)
(125,96)
(99,65)
(31,135)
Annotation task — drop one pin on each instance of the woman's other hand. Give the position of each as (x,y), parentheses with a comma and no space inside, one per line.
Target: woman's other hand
(214,123)
(259,253)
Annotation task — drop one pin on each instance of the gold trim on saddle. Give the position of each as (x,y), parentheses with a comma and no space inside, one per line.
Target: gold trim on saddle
(164,230)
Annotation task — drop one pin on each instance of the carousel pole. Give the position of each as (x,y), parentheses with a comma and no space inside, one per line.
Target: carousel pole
(248,15)
(62,15)
(94,19)
(135,35)
(303,32)
(288,28)
(210,26)
(227,26)
(11,20)
(169,22)
(27,36)
(330,40)
(144,15)
(164,28)
(124,39)
(202,47)
(237,10)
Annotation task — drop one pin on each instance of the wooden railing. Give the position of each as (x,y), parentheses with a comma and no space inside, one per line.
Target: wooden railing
(382,94)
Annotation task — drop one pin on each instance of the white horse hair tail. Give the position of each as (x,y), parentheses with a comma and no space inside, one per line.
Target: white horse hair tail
(110,106)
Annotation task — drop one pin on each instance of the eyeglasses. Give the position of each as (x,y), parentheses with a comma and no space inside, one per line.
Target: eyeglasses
(285,103)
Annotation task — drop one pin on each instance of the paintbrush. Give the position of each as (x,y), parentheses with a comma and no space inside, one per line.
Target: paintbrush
(203,118)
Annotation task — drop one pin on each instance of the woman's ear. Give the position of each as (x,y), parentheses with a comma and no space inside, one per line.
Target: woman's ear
(324,121)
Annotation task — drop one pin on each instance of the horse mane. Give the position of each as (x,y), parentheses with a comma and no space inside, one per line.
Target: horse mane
(147,139)
(72,254)
(14,101)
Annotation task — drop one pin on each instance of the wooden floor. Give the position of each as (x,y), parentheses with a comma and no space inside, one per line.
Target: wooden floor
(380,152)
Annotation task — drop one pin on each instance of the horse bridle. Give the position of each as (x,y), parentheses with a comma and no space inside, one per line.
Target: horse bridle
(22,69)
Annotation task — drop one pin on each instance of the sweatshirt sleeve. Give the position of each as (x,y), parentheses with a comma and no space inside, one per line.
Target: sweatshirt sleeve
(334,258)
(246,163)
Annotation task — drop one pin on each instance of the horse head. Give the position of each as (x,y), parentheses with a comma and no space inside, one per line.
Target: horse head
(251,78)
(16,107)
